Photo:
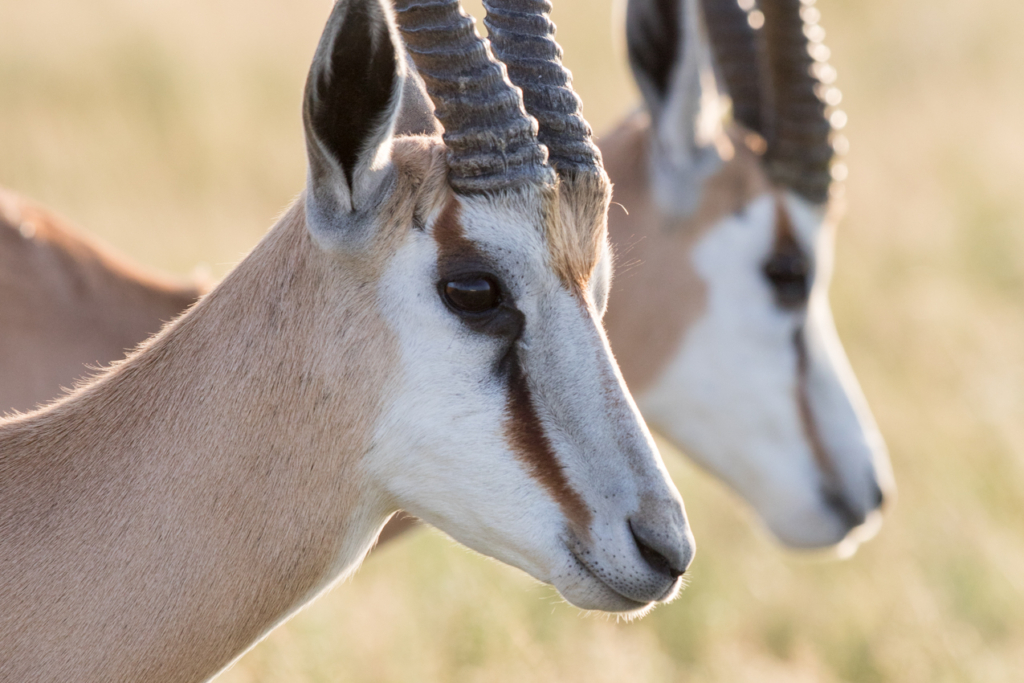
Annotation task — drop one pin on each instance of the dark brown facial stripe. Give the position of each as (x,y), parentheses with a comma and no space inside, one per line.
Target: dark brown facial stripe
(450,235)
(831,485)
(526,435)
(523,427)
(788,268)
(804,402)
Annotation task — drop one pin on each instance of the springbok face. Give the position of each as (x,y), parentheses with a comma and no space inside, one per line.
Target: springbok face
(507,424)
(745,371)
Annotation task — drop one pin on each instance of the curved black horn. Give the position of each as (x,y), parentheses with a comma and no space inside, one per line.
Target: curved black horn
(800,151)
(492,142)
(734,42)
(523,37)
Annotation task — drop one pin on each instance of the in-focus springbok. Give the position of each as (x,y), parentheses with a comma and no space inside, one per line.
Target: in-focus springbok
(719,316)
(419,331)
(67,303)
(748,380)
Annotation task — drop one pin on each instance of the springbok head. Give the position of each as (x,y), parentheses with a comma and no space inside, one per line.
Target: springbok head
(508,426)
(724,330)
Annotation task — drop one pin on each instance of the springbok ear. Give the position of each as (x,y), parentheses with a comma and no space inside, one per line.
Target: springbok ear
(353,93)
(671,59)
(653,40)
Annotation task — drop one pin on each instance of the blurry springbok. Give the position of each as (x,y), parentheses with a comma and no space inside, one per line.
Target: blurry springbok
(68,303)
(419,331)
(719,316)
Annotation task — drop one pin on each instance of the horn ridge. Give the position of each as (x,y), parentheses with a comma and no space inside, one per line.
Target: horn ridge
(734,43)
(800,151)
(491,141)
(523,37)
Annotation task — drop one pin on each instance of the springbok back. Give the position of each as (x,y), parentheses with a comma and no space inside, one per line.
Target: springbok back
(419,331)
(720,315)
(66,303)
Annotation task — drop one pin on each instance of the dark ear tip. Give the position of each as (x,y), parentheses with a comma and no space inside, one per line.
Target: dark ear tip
(653,43)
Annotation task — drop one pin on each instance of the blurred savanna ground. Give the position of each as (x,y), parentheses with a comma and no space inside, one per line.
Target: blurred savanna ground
(172,131)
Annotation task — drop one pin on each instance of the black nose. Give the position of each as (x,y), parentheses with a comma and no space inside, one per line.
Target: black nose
(841,507)
(656,554)
(878,497)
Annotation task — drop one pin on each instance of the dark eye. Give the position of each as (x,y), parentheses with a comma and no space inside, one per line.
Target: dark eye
(471,295)
(789,272)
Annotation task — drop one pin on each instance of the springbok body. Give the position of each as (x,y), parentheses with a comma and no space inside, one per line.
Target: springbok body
(420,331)
(719,315)
(67,303)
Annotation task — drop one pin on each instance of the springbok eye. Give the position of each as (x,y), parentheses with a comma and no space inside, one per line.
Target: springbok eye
(789,271)
(472,295)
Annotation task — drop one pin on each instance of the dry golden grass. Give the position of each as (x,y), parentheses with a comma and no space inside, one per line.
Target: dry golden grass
(171,129)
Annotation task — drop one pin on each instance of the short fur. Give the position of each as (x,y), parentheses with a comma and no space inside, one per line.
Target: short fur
(720,314)
(577,230)
(162,518)
(153,536)
(657,293)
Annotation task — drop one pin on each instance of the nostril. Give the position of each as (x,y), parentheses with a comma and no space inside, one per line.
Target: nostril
(878,497)
(655,558)
(842,508)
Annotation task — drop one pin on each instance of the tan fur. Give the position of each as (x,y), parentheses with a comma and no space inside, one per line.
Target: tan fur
(159,520)
(656,296)
(577,229)
(657,293)
(66,302)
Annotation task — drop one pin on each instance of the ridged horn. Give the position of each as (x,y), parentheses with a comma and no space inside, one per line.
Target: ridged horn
(491,141)
(523,37)
(734,43)
(800,151)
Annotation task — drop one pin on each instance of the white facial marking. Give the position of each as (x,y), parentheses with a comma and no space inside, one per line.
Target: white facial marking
(443,451)
(730,396)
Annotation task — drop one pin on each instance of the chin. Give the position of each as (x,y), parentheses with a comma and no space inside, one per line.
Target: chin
(582,589)
(599,598)
(847,547)
(819,530)
(810,531)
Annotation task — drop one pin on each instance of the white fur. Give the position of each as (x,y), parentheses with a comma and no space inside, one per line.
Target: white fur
(729,396)
(601,280)
(461,474)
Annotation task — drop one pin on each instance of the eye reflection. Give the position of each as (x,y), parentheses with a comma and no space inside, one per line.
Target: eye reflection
(472,295)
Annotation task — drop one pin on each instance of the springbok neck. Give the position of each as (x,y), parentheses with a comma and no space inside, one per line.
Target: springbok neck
(733,353)
(403,338)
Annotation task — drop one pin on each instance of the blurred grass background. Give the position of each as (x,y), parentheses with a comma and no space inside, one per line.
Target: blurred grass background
(172,131)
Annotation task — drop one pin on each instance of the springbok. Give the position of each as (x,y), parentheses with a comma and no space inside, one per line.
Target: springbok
(68,303)
(739,371)
(720,316)
(419,331)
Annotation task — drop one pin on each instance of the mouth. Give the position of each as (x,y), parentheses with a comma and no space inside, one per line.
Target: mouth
(859,534)
(625,603)
(621,602)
